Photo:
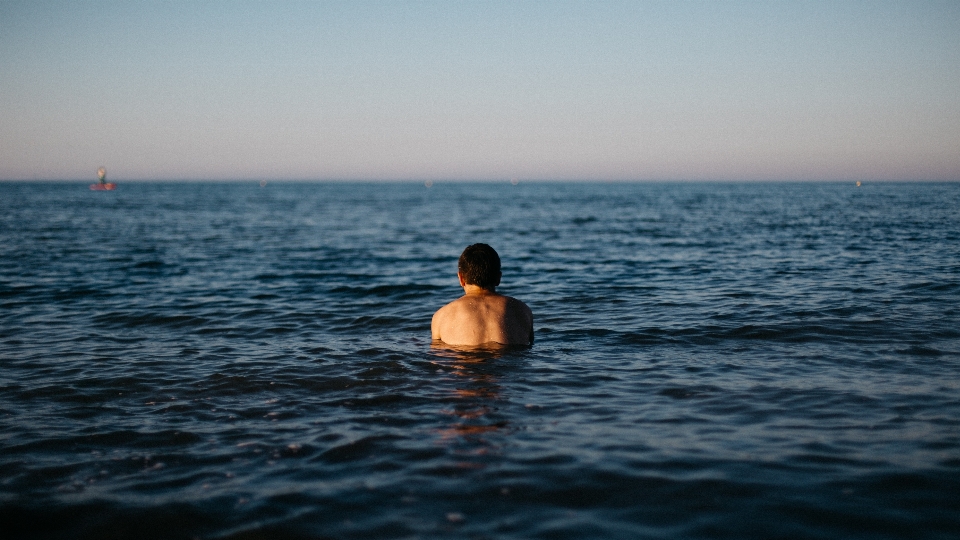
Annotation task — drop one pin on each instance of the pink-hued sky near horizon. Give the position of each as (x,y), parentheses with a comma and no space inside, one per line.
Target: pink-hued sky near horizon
(439,90)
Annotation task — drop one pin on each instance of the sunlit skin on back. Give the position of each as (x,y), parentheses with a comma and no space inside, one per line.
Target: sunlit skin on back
(482,316)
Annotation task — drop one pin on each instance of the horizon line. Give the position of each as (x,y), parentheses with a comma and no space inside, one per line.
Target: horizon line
(434,181)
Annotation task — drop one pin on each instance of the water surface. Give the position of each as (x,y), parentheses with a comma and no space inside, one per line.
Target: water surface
(225,360)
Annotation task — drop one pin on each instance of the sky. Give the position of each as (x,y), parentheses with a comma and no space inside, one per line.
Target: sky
(480,90)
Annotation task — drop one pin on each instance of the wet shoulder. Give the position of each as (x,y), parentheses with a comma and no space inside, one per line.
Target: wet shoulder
(514,305)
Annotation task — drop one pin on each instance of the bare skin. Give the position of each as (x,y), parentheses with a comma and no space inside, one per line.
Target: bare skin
(483,316)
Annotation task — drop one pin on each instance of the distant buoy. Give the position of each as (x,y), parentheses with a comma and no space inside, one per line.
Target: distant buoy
(858,183)
(102,184)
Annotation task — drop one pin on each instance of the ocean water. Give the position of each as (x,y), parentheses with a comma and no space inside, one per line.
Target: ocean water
(712,360)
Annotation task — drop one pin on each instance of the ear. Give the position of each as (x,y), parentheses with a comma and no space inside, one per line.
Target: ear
(459,277)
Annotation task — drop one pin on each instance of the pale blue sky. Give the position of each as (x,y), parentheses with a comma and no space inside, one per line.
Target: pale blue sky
(480,90)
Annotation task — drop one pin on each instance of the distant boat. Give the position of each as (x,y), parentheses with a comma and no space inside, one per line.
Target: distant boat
(103,185)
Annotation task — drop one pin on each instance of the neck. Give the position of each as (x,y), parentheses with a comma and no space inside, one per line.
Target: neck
(470,289)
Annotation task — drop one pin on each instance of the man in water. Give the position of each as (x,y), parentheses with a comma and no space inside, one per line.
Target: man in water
(481,315)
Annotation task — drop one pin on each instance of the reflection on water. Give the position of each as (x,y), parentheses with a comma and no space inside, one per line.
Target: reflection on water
(476,397)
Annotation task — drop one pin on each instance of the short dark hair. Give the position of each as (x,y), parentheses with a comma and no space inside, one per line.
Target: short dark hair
(479,265)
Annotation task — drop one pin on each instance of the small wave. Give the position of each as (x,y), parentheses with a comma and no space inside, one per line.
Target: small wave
(690,392)
(918,350)
(356,450)
(136,320)
(406,290)
(931,286)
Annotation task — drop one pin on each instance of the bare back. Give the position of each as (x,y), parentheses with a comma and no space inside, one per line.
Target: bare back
(474,319)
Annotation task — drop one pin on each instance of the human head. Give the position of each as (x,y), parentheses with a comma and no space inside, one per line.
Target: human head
(479,265)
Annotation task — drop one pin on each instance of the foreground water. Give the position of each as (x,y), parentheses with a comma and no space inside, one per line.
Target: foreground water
(711,361)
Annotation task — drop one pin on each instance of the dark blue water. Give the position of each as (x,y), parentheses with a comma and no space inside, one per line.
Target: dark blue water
(226,360)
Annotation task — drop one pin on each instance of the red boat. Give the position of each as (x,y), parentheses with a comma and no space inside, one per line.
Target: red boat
(103,185)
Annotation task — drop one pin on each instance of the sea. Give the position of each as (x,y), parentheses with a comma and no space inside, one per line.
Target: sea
(253,360)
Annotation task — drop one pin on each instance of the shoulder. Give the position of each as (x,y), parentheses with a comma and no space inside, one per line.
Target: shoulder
(517,304)
(519,311)
(440,318)
(445,310)
(449,311)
